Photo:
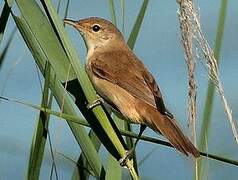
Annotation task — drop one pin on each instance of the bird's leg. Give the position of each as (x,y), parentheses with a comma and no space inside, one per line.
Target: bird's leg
(95,103)
(131,152)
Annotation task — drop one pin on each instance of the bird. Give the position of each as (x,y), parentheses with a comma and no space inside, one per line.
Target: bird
(125,84)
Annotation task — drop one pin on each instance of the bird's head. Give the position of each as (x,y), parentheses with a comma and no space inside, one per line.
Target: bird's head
(97,32)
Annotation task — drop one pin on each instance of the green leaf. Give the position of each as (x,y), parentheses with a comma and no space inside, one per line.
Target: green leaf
(41,132)
(82,169)
(136,28)
(66,9)
(112,12)
(78,120)
(123,15)
(46,38)
(4,17)
(211,87)
(55,85)
(3,22)
(6,48)
(113,169)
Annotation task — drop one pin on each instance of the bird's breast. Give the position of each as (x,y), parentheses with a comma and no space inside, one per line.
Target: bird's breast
(118,98)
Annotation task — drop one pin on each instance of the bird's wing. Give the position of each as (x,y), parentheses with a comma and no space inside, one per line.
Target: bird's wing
(125,70)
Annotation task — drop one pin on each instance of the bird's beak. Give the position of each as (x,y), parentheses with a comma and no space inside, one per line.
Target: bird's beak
(75,24)
(71,22)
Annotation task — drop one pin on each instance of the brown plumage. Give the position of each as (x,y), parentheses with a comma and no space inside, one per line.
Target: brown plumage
(122,80)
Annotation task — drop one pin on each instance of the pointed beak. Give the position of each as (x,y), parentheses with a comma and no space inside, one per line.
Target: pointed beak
(75,24)
(71,22)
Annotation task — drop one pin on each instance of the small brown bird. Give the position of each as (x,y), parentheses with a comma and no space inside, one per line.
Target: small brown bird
(123,81)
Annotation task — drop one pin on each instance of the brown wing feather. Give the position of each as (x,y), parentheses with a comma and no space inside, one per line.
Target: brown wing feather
(150,81)
(125,70)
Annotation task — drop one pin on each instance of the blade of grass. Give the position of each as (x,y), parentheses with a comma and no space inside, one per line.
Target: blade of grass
(82,169)
(59,92)
(113,166)
(112,12)
(211,87)
(58,6)
(40,134)
(3,22)
(113,169)
(5,49)
(33,42)
(123,15)
(77,177)
(66,9)
(81,121)
(46,37)
(4,17)
(136,28)
(130,144)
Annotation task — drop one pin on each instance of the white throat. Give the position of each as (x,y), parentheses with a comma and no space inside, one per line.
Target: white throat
(91,47)
(91,51)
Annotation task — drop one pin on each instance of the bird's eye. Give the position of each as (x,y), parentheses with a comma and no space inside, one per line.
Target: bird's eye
(96,28)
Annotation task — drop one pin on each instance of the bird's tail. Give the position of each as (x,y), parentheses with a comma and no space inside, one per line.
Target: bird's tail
(169,128)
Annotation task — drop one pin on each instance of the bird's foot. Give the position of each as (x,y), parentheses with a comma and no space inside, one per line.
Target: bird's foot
(128,156)
(95,103)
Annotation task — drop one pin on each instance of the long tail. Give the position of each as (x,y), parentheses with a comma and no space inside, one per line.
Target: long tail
(170,129)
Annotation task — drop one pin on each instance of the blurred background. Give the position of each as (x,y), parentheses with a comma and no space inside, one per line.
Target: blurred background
(159,47)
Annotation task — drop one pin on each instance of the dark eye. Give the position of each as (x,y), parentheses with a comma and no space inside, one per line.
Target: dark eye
(96,28)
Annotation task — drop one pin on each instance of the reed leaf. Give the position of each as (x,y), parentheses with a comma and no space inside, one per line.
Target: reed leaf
(6,48)
(41,56)
(113,169)
(112,12)
(81,121)
(41,132)
(136,28)
(123,14)
(4,17)
(3,22)
(211,87)
(83,169)
(46,37)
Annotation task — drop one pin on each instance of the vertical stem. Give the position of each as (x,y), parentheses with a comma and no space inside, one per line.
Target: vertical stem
(211,88)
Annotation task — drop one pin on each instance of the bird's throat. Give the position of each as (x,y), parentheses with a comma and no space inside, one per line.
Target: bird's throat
(90,52)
